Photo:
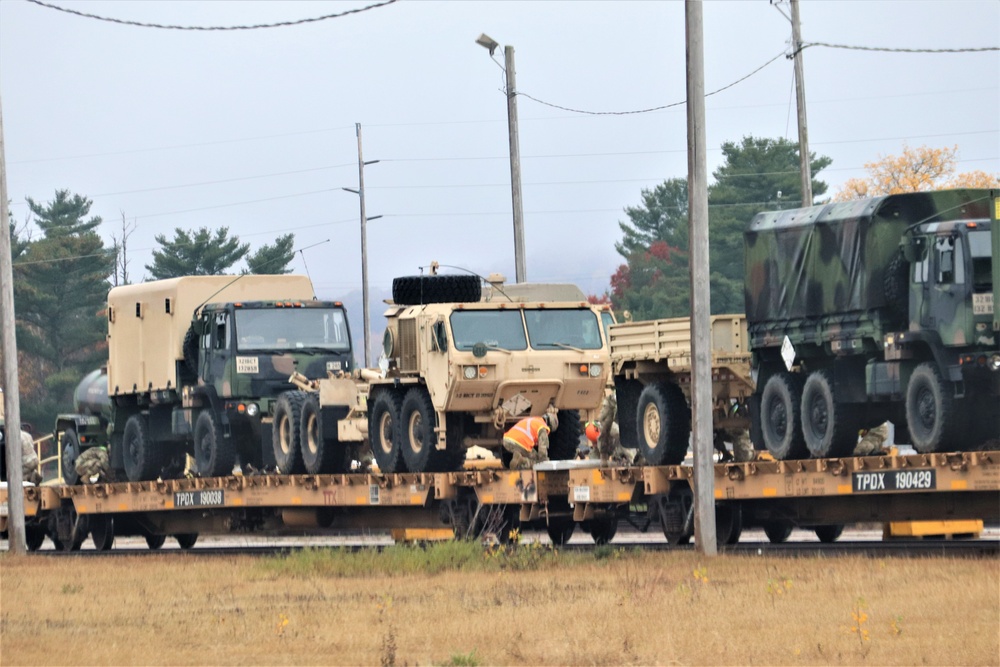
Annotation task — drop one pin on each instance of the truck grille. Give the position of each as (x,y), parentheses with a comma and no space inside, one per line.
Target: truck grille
(407,345)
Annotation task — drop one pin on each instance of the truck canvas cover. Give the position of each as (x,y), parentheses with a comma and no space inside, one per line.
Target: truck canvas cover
(833,258)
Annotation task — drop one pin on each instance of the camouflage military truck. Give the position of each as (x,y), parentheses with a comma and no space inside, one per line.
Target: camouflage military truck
(872,310)
(457,370)
(197,364)
(651,366)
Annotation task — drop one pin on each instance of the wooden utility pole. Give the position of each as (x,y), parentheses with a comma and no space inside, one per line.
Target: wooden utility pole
(8,352)
(364,243)
(701,353)
(805,169)
(520,271)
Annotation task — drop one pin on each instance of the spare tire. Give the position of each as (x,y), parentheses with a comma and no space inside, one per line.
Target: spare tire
(419,290)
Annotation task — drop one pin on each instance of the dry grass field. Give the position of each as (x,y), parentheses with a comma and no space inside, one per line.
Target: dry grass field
(454,604)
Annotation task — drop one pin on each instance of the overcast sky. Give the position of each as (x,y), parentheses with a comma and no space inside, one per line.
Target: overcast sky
(255,129)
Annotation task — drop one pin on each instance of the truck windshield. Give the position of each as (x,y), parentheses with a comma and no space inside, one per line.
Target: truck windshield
(577,327)
(982,260)
(495,328)
(292,329)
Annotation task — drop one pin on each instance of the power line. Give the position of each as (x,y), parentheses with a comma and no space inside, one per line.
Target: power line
(806,45)
(226,180)
(280,24)
(651,109)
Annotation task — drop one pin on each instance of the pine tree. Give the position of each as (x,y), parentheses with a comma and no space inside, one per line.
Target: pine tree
(197,254)
(273,258)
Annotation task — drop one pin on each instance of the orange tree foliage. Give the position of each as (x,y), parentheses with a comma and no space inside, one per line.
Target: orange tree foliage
(914,170)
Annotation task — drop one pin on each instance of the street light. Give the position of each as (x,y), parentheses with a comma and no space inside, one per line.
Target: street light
(491,45)
(364,242)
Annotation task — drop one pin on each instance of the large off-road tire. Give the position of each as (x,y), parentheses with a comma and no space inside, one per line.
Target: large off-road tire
(564,441)
(930,409)
(417,290)
(70,453)
(777,531)
(214,454)
(321,454)
(102,531)
(829,533)
(418,440)
(780,420)
(829,428)
(142,457)
(663,423)
(385,431)
(189,349)
(286,435)
(627,394)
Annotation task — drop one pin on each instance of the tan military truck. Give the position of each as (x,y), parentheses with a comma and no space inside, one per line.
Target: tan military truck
(196,366)
(651,367)
(456,371)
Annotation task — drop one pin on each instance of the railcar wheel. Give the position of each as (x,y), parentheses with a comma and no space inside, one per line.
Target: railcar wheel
(663,424)
(70,453)
(728,524)
(141,456)
(186,540)
(286,436)
(777,531)
(102,531)
(214,454)
(780,406)
(827,426)
(830,533)
(930,409)
(34,536)
(385,433)
(154,542)
(603,530)
(560,530)
(320,454)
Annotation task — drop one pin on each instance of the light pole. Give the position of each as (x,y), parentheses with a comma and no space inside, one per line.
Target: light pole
(364,242)
(487,42)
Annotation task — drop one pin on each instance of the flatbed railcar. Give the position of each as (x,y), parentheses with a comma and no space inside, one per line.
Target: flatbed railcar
(556,496)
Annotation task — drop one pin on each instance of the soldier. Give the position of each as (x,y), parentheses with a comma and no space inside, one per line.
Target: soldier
(609,443)
(93,466)
(742,447)
(29,460)
(528,440)
(872,440)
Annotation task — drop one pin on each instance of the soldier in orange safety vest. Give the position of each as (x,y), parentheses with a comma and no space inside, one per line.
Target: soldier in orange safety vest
(528,440)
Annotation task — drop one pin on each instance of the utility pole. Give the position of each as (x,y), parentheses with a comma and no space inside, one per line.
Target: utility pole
(701,354)
(800,102)
(364,243)
(520,271)
(8,352)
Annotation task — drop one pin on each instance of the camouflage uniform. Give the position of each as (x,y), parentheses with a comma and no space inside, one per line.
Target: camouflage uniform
(609,443)
(524,459)
(872,440)
(93,466)
(29,460)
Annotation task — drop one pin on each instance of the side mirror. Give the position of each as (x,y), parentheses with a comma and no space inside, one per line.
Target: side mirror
(913,250)
(200,327)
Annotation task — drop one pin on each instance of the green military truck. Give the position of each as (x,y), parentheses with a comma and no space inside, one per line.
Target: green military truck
(458,368)
(196,366)
(875,310)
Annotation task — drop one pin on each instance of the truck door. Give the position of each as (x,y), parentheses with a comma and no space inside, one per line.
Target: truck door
(216,346)
(947,291)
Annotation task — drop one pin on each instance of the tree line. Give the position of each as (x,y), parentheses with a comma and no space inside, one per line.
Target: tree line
(61,283)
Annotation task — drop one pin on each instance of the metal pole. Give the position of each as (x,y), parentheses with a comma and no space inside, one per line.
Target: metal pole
(800,102)
(8,352)
(520,271)
(701,354)
(364,247)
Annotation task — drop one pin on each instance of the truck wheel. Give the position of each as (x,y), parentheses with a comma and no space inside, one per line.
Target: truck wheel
(70,453)
(418,290)
(827,426)
(930,412)
(214,454)
(189,348)
(384,432)
(186,540)
(286,436)
(418,439)
(627,394)
(321,455)
(564,441)
(777,531)
(663,422)
(828,534)
(779,417)
(102,531)
(140,454)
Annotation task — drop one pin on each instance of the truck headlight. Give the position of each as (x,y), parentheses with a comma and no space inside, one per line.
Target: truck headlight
(253,409)
(470,372)
(995,362)
(595,370)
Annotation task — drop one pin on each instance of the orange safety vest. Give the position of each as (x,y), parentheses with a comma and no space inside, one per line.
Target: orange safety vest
(525,432)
